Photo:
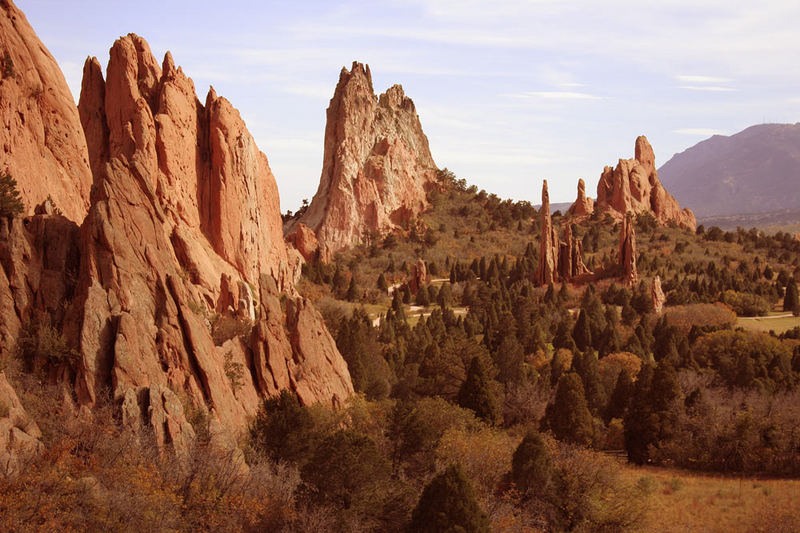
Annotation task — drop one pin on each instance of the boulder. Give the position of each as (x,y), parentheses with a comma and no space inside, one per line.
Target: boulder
(657,295)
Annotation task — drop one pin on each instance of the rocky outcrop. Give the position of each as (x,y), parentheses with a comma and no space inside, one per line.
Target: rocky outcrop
(39,260)
(19,434)
(583,205)
(41,140)
(183,238)
(305,241)
(419,276)
(633,186)
(549,245)
(570,256)
(377,166)
(657,295)
(627,251)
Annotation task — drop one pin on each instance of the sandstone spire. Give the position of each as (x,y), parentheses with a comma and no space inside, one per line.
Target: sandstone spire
(377,166)
(627,251)
(583,205)
(549,246)
(633,185)
(657,295)
(42,141)
(184,222)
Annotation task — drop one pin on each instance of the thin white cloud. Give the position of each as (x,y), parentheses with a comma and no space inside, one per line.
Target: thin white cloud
(701,132)
(708,88)
(555,95)
(701,79)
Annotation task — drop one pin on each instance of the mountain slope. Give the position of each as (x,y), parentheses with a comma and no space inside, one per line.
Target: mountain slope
(754,171)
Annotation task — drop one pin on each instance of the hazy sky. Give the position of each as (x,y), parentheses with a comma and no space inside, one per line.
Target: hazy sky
(508,92)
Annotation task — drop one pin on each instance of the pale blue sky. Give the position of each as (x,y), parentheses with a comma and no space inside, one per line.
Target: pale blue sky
(509,92)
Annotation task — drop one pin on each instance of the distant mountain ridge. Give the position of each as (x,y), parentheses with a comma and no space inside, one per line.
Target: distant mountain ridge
(754,171)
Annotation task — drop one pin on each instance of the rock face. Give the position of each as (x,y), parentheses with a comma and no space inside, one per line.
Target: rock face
(419,276)
(184,220)
(41,140)
(377,166)
(39,257)
(657,295)
(19,434)
(627,251)
(177,291)
(583,205)
(633,185)
(549,245)
(570,256)
(305,241)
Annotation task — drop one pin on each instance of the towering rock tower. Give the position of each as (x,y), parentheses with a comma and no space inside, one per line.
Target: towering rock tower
(377,167)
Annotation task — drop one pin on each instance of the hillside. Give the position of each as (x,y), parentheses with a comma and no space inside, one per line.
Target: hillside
(754,171)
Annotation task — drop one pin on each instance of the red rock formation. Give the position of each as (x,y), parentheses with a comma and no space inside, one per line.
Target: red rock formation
(377,166)
(304,239)
(570,256)
(184,220)
(583,206)
(41,140)
(549,245)
(627,251)
(657,295)
(634,186)
(419,276)
(39,258)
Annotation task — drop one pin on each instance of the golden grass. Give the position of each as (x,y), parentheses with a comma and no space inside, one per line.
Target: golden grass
(682,501)
(777,322)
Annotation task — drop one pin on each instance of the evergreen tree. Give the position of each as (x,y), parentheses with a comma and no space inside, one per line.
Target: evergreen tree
(448,505)
(568,417)
(791,301)
(476,393)
(422,297)
(621,397)
(10,201)
(581,333)
(585,364)
(531,466)
(509,359)
(382,285)
(284,429)
(352,290)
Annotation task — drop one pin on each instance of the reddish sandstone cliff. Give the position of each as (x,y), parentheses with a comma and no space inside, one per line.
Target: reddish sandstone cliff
(184,222)
(41,141)
(377,166)
(177,290)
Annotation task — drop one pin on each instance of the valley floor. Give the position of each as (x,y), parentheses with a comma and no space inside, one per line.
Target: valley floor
(682,501)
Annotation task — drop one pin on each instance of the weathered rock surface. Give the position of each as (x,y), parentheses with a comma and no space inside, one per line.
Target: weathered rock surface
(39,259)
(627,251)
(19,434)
(570,256)
(419,276)
(305,241)
(41,140)
(583,205)
(549,244)
(377,166)
(657,295)
(633,185)
(184,221)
